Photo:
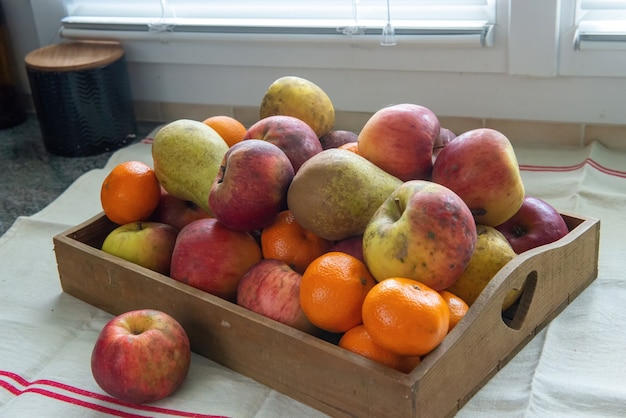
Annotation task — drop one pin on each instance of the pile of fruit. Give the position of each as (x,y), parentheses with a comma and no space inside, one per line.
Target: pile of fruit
(382,238)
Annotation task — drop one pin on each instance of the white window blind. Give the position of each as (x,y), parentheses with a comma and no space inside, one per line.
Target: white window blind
(470,20)
(601,24)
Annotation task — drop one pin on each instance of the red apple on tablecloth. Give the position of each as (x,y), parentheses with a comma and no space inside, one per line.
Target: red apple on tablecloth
(251,186)
(271,288)
(294,136)
(336,138)
(211,257)
(535,223)
(481,167)
(176,212)
(352,245)
(399,139)
(141,356)
(424,232)
(148,244)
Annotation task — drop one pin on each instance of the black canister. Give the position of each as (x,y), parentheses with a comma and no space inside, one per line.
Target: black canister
(11,110)
(82,97)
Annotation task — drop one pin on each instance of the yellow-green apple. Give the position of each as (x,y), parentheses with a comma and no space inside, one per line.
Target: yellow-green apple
(536,223)
(177,212)
(294,136)
(251,186)
(213,258)
(399,139)
(271,288)
(148,244)
(337,138)
(480,166)
(141,356)
(424,232)
(444,138)
(351,245)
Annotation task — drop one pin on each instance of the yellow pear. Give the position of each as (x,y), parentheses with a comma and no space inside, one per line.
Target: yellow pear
(492,252)
(302,99)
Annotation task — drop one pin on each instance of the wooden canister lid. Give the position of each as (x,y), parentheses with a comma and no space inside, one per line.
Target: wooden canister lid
(74,56)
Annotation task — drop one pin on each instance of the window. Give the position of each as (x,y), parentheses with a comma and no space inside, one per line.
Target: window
(532,71)
(601,24)
(469,21)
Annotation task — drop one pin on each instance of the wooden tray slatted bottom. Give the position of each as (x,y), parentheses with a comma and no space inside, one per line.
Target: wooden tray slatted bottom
(317,372)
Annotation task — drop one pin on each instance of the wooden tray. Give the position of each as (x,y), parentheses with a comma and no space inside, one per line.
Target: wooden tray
(317,372)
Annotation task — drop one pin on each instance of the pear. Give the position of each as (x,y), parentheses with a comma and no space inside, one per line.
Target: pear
(300,98)
(187,156)
(336,192)
(491,253)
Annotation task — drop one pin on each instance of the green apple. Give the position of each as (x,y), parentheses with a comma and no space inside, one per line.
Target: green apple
(148,244)
(423,231)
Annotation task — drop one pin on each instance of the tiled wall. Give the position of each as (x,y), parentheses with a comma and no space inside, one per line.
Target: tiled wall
(518,131)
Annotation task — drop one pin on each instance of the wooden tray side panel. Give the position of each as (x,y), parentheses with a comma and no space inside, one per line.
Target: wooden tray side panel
(483,343)
(299,365)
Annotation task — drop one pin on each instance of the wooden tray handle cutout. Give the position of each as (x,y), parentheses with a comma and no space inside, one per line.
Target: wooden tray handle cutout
(515,315)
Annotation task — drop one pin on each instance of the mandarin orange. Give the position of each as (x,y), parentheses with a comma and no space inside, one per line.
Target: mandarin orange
(350,146)
(406,316)
(458,307)
(358,341)
(286,240)
(130,192)
(229,128)
(332,291)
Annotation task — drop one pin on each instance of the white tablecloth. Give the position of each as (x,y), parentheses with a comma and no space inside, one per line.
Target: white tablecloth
(574,367)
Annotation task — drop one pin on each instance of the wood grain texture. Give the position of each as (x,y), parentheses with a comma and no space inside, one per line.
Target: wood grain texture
(74,56)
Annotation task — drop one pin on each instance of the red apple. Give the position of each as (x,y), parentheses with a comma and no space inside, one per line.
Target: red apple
(211,257)
(148,244)
(176,212)
(141,356)
(424,232)
(251,186)
(535,223)
(481,167)
(352,245)
(292,135)
(271,288)
(444,138)
(336,138)
(399,139)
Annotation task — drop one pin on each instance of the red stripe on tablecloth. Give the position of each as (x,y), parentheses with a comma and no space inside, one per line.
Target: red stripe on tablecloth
(96,396)
(587,161)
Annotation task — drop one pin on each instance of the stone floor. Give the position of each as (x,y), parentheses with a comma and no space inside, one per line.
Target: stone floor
(31,177)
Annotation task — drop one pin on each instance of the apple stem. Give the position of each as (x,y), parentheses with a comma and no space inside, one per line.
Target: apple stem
(222,173)
(519,231)
(398,204)
(478,211)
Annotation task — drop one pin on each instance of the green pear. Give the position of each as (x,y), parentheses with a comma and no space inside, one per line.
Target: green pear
(336,192)
(187,156)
